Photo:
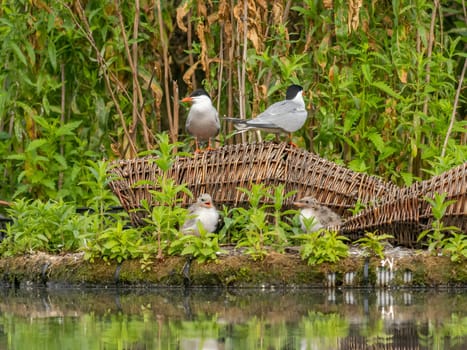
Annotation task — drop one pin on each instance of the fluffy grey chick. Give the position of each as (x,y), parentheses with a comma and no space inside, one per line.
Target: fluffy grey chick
(203,211)
(323,216)
(203,120)
(285,116)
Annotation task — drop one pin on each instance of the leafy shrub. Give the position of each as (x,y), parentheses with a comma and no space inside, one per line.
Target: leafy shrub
(436,234)
(51,226)
(323,246)
(164,219)
(117,243)
(204,247)
(373,243)
(262,223)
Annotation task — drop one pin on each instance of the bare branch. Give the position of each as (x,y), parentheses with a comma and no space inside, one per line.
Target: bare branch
(454,109)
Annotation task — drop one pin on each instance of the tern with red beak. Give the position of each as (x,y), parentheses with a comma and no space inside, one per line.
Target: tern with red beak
(203,120)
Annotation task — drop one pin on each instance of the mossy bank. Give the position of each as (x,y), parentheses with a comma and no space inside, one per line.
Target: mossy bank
(401,269)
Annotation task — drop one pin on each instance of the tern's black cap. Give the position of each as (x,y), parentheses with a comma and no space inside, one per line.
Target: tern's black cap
(199,92)
(292,91)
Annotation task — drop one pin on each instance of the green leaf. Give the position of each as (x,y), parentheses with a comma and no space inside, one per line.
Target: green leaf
(366,72)
(61,160)
(188,250)
(18,53)
(110,244)
(377,140)
(385,88)
(52,52)
(35,144)
(68,128)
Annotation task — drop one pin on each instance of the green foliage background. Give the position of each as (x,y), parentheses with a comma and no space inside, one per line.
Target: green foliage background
(83,81)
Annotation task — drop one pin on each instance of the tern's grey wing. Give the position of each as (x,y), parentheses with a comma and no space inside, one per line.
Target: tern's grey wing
(286,115)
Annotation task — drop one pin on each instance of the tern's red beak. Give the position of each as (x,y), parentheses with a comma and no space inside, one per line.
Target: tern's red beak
(187,99)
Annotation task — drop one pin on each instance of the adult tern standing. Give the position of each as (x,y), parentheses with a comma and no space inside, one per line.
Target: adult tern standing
(203,120)
(285,116)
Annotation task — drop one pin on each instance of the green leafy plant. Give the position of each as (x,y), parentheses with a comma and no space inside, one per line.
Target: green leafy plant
(359,206)
(282,226)
(256,234)
(117,243)
(51,226)
(203,248)
(373,243)
(262,224)
(164,219)
(309,223)
(456,247)
(101,200)
(322,246)
(436,235)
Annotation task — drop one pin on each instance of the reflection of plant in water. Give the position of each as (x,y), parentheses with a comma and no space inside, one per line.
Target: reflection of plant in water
(323,331)
(449,334)
(262,333)
(375,333)
(202,326)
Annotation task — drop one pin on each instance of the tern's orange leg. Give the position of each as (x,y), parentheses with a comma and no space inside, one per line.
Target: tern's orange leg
(197,149)
(291,142)
(209,146)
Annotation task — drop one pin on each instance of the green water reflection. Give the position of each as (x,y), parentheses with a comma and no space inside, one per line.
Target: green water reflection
(236,319)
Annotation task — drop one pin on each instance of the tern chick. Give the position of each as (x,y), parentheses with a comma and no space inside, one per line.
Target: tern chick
(202,211)
(323,216)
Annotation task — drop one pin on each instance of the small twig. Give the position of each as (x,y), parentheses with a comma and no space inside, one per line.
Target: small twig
(176,109)
(241,70)
(62,120)
(132,56)
(191,60)
(454,109)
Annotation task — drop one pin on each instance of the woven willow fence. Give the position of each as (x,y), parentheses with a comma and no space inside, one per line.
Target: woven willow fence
(402,212)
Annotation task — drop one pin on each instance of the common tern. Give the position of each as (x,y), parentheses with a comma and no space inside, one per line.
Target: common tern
(285,116)
(203,120)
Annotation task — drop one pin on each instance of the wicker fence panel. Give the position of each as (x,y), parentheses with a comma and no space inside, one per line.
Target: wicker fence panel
(398,217)
(223,171)
(452,182)
(336,186)
(406,216)
(389,209)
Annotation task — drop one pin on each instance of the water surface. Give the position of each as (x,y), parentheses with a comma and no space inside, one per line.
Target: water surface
(235,319)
